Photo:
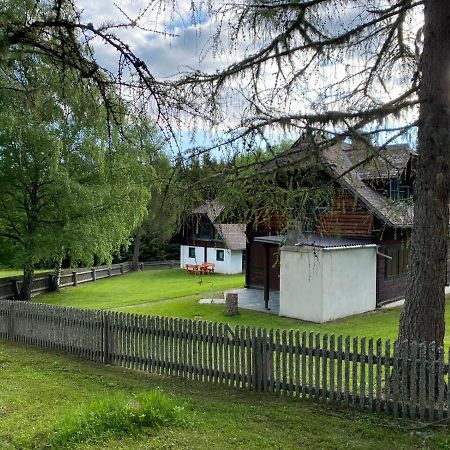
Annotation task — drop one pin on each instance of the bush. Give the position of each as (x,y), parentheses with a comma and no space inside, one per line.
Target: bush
(117,416)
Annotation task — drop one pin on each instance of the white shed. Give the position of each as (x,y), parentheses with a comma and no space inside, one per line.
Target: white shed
(327,279)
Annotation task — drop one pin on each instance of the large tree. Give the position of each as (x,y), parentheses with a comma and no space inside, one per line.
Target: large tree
(69,186)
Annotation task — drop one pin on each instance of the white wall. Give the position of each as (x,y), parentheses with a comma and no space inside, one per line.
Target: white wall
(232,262)
(236,261)
(349,282)
(300,284)
(324,284)
(184,255)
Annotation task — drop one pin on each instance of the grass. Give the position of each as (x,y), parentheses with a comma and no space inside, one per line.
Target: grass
(6,273)
(174,293)
(43,393)
(141,288)
(120,415)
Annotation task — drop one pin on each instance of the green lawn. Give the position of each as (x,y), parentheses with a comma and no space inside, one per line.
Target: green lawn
(174,293)
(141,288)
(5,273)
(39,388)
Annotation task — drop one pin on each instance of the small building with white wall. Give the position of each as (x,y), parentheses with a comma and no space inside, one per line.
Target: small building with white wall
(326,279)
(322,278)
(204,238)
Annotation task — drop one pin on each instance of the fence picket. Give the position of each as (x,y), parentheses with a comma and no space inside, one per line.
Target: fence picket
(297,363)
(347,370)
(422,380)
(226,356)
(284,365)
(441,384)
(378,376)
(395,379)
(270,356)
(362,381)
(370,368)
(387,375)
(324,366)
(237,361)
(339,369)
(405,375)
(431,356)
(277,361)
(290,375)
(355,371)
(303,364)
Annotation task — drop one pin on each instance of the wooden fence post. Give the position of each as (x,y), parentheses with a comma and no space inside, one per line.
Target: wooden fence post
(74,278)
(11,322)
(262,363)
(94,274)
(109,272)
(106,344)
(121,269)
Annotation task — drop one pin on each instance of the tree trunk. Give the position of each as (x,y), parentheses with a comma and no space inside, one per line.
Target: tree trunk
(27,282)
(422,318)
(136,251)
(56,279)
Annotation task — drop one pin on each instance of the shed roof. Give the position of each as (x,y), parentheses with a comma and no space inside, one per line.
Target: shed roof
(316,240)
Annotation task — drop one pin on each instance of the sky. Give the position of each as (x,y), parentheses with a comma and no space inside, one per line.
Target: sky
(179,39)
(176,39)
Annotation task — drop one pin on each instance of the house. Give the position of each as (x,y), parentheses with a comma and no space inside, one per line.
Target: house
(204,238)
(371,208)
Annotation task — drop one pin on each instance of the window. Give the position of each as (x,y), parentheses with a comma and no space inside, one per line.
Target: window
(220,255)
(398,191)
(398,265)
(192,252)
(206,231)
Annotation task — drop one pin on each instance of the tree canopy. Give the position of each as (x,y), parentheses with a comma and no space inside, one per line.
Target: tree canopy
(69,186)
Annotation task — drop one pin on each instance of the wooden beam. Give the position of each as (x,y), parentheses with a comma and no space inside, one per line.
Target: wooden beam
(266,275)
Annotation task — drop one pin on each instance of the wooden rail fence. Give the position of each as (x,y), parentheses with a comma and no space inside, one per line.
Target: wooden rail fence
(10,287)
(406,381)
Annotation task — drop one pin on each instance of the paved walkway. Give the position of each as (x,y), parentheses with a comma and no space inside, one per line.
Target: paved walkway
(254,299)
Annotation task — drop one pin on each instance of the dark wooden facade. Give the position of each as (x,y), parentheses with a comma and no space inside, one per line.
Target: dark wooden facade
(348,218)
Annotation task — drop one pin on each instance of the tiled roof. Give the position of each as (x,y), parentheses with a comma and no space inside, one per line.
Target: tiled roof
(233,234)
(390,162)
(211,208)
(340,159)
(396,214)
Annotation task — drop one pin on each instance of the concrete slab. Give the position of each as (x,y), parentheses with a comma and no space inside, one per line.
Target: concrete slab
(212,301)
(254,299)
